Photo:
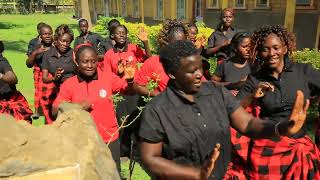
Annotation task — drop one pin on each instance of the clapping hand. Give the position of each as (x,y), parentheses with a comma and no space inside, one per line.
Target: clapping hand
(262,88)
(58,74)
(297,117)
(208,166)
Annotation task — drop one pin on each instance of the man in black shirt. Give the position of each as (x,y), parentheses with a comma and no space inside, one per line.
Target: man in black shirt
(181,126)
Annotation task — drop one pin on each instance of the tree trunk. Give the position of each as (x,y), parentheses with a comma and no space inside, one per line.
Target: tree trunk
(124,5)
(85,11)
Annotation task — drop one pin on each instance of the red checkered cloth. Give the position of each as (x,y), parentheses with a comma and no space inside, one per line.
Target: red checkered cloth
(37,76)
(49,94)
(16,106)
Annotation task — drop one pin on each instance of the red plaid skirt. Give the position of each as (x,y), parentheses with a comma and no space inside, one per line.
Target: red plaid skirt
(37,76)
(49,94)
(17,106)
(282,158)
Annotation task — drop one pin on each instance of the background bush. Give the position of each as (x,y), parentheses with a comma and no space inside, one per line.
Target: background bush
(308,56)
(133,29)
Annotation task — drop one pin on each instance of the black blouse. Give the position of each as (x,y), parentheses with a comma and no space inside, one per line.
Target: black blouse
(191,130)
(228,72)
(277,105)
(52,61)
(5,88)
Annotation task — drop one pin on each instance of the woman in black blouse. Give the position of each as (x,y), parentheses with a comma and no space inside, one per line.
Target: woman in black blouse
(11,100)
(273,87)
(181,126)
(57,66)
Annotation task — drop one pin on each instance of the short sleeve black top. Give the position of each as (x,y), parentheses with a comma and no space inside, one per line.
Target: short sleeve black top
(217,38)
(94,38)
(228,72)
(191,130)
(277,105)
(39,57)
(33,43)
(52,61)
(5,88)
(105,45)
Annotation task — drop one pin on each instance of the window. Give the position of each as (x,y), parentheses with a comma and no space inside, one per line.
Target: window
(239,3)
(197,10)
(262,3)
(303,2)
(212,4)
(181,9)
(159,9)
(136,8)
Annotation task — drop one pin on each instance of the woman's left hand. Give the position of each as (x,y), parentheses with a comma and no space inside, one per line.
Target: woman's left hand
(143,35)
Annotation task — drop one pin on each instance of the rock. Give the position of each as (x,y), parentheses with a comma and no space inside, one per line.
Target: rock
(71,141)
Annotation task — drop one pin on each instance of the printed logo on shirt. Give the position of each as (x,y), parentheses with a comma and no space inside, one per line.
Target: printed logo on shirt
(103,93)
(130,58)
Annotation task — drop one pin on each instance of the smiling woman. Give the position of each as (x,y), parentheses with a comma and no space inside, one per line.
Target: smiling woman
(58,66)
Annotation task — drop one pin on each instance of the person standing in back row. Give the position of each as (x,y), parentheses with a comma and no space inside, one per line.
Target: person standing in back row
(219,40)
(87,36)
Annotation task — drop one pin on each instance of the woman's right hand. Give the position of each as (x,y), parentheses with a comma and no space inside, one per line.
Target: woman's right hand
(58,74)
(208,166)
(261,89)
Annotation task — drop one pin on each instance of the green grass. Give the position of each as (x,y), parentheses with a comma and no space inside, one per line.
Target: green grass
(16,31)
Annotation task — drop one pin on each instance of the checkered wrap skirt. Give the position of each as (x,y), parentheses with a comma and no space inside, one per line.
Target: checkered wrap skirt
(17,106)
(48,95)
(278,158)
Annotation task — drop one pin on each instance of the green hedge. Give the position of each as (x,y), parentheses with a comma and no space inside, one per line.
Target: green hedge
(306,55)
(133,29)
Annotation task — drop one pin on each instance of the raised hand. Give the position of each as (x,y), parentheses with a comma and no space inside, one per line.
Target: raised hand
(41,50)
(200,42)
(208,166)
(129,72)
(298,115)
(262,87)
(143,35)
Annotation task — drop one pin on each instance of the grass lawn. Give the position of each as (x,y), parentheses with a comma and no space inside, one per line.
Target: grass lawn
(16,31)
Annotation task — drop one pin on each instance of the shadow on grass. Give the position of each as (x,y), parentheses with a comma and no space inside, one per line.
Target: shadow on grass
(20,46)
(6,25)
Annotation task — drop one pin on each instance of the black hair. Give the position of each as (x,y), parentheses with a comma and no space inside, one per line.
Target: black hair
(175,31)
(39,25)
(1,47)
(45,26)
(258,39)
(113,30)
(163,38)
(112,23)
(170,55)
(236,40)
(61,30)
(81,49)
(193,25)
(82,20)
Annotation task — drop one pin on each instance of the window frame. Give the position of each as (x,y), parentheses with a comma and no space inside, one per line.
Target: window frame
(212,7)
(262,7)
(185,10)
(156,17)
(135,14)
(239,7)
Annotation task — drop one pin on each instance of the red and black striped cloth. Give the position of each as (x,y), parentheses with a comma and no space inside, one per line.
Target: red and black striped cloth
(17,106)
(37,76)
(278,158)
